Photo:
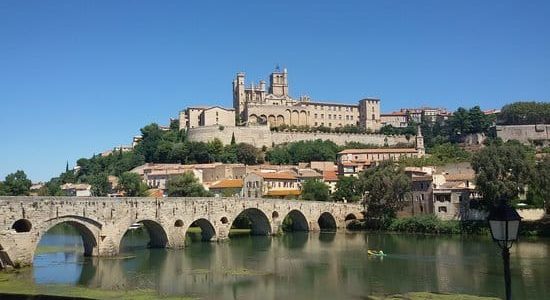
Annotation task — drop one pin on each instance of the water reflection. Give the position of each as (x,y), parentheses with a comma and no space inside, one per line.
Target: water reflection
(301,265)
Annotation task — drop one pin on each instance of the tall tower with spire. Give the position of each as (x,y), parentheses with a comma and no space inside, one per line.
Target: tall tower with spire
(420,143)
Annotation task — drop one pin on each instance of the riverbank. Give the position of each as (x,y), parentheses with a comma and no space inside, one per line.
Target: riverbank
(430,224)
(14,285)
(13,288)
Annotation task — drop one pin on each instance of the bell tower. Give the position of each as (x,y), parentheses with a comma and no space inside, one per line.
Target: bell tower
(278,83)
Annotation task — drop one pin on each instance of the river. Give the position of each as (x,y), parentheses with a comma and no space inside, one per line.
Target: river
(300,266)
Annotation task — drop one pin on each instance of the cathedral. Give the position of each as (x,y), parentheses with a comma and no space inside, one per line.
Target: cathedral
(256,104)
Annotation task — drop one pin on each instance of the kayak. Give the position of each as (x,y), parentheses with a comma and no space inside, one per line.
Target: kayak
(376,252)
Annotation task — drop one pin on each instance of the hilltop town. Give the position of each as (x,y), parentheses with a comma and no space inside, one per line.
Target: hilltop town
(272,145)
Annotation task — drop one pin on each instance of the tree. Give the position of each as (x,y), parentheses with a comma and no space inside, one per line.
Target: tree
(151,137)
(100,185)
(386,186)
(539,190)
(278,155)
(17,184)
(132,185)
(316,190)
(233,142)
(522,113)
(2,190)
(215,149)
(502,171)
(185,185)
(247,154)
(347,189)
(180,153)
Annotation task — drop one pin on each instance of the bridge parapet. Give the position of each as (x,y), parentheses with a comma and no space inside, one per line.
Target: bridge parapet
(102,222)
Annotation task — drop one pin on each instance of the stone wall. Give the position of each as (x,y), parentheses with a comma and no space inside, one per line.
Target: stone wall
(262,136)
(102,222)
(525,133)
(340,138)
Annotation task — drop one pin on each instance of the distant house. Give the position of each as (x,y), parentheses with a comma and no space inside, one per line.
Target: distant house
(227,187)
(353,161)
(305,174)
(35,188)
(271,184)
(395,119)
(77,189)
(331,179)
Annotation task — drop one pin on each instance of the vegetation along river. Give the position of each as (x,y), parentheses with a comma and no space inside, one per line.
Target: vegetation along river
(292,266)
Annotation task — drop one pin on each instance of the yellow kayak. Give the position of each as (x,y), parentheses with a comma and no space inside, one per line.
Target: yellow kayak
(376,252)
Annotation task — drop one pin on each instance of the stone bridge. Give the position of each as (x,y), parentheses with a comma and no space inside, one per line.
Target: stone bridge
(102,222)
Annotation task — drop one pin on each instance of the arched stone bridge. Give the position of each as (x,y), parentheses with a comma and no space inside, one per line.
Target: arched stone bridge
(102,222)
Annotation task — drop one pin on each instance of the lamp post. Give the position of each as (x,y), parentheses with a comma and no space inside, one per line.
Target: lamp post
(504,224)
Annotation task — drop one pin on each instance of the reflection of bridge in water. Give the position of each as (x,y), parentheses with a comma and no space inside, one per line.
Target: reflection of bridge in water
(102,222)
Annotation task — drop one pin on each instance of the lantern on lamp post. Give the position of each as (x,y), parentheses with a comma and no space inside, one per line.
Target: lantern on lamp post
(504,224)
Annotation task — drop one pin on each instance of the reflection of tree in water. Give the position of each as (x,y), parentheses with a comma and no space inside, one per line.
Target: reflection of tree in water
(295,240)
(327,237)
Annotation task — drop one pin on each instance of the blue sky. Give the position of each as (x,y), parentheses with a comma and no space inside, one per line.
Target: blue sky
(79,77)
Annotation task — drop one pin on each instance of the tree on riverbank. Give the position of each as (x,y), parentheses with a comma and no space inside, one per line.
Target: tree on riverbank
(347,189)
(503,171)
(132,185)
(315,190)
(386,187)
(185,185)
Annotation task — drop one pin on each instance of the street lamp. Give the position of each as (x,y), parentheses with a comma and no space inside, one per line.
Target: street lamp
(504,224)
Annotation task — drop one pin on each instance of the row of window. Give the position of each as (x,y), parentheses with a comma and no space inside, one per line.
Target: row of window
(348,117)
(335,108)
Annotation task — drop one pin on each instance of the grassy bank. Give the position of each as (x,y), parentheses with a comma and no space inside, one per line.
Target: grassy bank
(16,283)
(430,224)
(430,296)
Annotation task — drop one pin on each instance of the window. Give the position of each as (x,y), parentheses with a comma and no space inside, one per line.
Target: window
(329,124)
(373,116)
(347,117)
(340,117)
(322,116)
(329,116)
(442,209)
(315,123)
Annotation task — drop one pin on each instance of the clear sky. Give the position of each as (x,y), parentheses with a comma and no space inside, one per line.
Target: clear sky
(79,77)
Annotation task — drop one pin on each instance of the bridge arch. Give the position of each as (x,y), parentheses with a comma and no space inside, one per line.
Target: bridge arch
(87,228)
(260,224)
(327,222)
(350,216)
(296,221)
(22,225)
(208,232)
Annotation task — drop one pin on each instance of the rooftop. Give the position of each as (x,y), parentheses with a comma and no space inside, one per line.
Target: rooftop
(276,175)
(227,184)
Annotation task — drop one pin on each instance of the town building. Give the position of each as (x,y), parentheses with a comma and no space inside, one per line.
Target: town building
(353,161)
(77,189)
(271,184)
(156,175)
(395,119)
(274,105)
(330,178)
(206,116)
(227,187)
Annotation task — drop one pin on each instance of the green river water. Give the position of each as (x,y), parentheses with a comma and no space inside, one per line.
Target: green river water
(298,266)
